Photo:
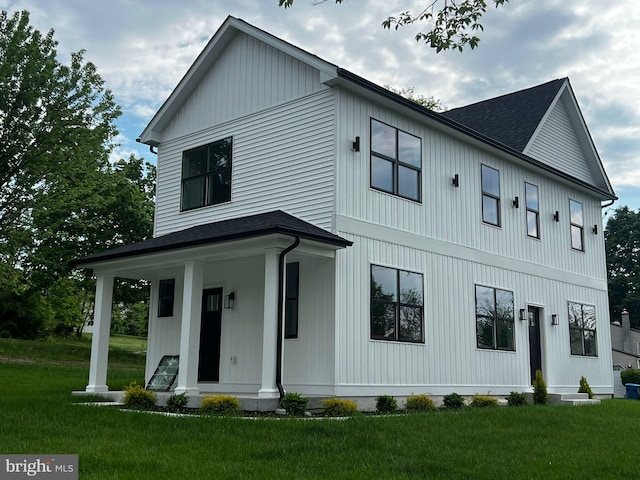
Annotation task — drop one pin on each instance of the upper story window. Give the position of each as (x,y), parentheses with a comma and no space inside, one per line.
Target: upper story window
(206,174)
(582,329)
(494,318)
(396,161)
(166,294)
(396,305)
(577,225)
(490,195)
(533,210)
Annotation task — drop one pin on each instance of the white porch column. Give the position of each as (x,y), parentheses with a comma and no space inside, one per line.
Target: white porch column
(101,330)
(190,328)
(270,326)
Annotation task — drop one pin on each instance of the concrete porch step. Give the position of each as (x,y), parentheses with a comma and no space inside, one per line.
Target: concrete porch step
(577,399)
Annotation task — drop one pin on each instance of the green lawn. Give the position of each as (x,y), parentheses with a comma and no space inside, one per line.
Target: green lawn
(37,416)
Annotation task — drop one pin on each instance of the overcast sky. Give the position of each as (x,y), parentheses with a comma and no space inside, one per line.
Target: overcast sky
(143,47)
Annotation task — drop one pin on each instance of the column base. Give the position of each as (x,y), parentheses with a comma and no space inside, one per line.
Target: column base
(96,389)
(188,390)
(268,393)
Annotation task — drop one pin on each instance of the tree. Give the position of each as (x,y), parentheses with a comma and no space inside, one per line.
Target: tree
(622,245)
(450,24)
(409,93)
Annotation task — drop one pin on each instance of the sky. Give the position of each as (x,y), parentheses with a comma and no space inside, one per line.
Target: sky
(142,48)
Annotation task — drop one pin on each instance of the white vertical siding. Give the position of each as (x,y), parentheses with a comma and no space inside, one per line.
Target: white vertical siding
(282,159)
(249,76)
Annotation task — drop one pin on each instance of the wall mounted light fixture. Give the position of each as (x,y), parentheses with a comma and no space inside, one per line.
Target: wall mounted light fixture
(554,319)
(522,314)
(355,145)
(556,216)
(516,202)
(455,181)
(595,229)
(230,300)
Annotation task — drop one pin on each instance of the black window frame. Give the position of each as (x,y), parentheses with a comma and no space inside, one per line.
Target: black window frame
(166,297)
(576,226)
(493,315)
(397,163)
(397,305)
(292,300)
(530,209)
(491,196)
(205,180)
(578,329)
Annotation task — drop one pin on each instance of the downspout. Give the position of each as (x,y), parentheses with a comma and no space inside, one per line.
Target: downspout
(281,271)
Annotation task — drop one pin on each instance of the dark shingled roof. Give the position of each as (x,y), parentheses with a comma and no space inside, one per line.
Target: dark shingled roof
(234,229)
(510,119)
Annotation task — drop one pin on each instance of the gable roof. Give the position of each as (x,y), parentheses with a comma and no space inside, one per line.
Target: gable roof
(513,118)
(275,222)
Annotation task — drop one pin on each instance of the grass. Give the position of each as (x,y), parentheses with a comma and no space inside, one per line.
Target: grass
(516,443)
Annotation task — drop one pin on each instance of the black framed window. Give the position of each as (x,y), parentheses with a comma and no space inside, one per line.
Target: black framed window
(577,225)
(582,329)
(397,305)
(166,294)
(494,318)
(396,161)
(490,195)
(533,210)
(292,288)
(206,174)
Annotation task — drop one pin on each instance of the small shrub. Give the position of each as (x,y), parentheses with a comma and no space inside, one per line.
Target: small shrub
(386,404)
(419,403)
(220,405)
(584,387)
(453,401)
(135,396)
(294,403)
(483,401)
(337,407)
(177,402)
(630,375)
(540,395)
(517,399)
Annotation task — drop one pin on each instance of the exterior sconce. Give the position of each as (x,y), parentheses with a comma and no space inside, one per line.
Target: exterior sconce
(556,216)
(522,314)
(355,145)
(516,202)
(595,229)
(230,300)
(554,319)
(455,181)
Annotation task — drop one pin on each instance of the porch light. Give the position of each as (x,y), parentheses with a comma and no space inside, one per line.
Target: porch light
(355,145)
(455,181)
(523,314)
(556,216)
(595,229)
(516,202)
(554,319)
(230,300)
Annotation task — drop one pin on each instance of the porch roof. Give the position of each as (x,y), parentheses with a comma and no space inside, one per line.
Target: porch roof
(275,222)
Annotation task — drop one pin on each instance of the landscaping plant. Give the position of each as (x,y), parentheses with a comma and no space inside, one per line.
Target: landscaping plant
(386,404)
(294,403)
(584,387)
(630,375)
(453,401)
(220,405)
(540,395)
(177,402)
(517,399)
(337,407)
(419,403)
(136,397)
(483,401)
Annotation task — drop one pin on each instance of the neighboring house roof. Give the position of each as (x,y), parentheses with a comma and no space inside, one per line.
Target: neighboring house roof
(511,119)
(276,222)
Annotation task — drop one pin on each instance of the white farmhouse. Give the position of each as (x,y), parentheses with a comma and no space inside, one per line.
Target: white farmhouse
(319,234)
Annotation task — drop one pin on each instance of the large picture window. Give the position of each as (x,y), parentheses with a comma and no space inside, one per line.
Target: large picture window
(577,225)
(494,318)
(206,174)
(397,305)
(533,210)
(396,161)
(582,329)
(490,195)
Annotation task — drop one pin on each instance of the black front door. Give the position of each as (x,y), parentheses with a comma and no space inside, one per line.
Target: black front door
(535,352)
(210,331)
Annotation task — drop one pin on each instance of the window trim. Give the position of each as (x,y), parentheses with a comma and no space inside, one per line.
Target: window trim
(582,329)
(491,196)
(528,209)
(293,297)
(397,306)
(166,309)
(396,163)
(495,346)
(576,225)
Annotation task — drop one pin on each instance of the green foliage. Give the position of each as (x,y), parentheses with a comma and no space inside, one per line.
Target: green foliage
(177,402)
(386,404)
(540,395)
(517,399)
(483,401)
(410,94)
(135,396)
(453,401)
(419,403)
(630,375)
(220,405)
(338,407)
(584,387)
(294,403)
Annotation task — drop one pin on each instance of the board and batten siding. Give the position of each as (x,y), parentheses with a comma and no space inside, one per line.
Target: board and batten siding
(449,360)
(248,77)
(282,160)
(452,215)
